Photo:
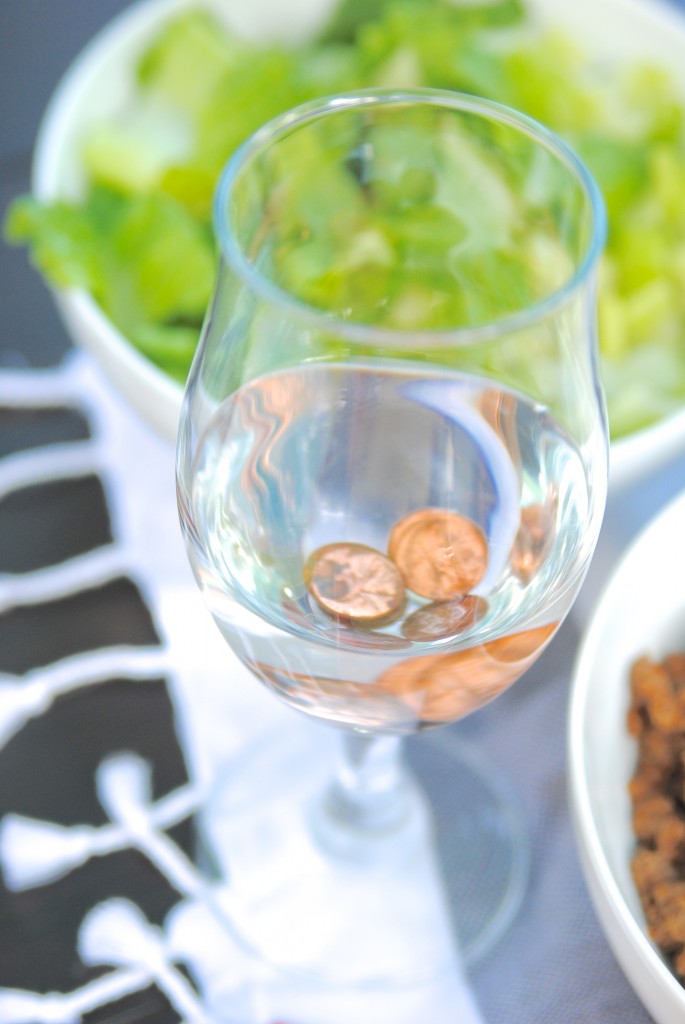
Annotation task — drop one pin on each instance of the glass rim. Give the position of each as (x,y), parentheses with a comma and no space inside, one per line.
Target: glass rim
(355,330)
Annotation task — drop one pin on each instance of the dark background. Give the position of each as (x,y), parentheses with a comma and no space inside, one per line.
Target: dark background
(38,40)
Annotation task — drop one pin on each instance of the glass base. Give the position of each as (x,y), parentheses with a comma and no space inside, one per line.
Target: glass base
(387,907)
(480,835)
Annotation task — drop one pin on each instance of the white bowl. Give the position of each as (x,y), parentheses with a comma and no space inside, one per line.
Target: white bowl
(99,82)
(642,612)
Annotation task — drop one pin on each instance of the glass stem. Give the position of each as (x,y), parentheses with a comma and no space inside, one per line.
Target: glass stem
(370,794)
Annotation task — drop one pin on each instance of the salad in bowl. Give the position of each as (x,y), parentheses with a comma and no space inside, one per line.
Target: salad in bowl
(119,221)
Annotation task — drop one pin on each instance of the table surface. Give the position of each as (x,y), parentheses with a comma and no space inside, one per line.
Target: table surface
(554,964)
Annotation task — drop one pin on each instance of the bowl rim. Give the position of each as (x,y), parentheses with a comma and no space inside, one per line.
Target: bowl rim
(629,457)
(601,879)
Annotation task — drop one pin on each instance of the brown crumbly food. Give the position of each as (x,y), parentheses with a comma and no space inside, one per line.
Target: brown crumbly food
(649,813)
(656,718)
(650,867)
(667,916)
(657,698)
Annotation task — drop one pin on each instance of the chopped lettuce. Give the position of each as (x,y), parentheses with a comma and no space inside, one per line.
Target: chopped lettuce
(351,16)
(66,239)
(140,240)
(132,152)
(155,266)
(187,60)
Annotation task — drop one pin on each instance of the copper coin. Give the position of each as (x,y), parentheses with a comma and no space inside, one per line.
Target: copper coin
(533,540)
(445,687)
(440,554)
(355,583)
(444,618)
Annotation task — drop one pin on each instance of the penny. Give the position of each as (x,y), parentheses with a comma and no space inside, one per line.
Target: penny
(533,540)
(445,687)
(440,554)
(444,618)
(355,583)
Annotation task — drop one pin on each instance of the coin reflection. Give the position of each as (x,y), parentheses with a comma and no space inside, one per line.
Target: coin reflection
(534,539)
(445,687)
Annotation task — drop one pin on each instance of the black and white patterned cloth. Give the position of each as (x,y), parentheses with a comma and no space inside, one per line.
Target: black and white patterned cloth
(95,787)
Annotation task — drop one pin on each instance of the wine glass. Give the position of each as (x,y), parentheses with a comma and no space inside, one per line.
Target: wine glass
(391,473)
